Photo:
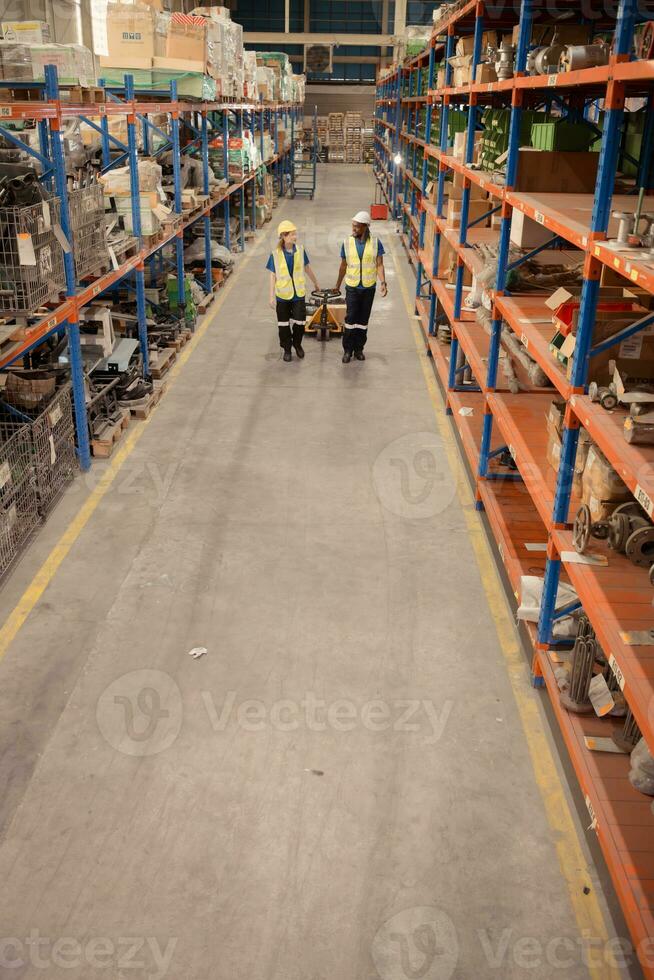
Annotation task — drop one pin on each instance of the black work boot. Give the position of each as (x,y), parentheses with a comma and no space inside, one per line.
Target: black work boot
(287,355)
(347,356)
(360,356)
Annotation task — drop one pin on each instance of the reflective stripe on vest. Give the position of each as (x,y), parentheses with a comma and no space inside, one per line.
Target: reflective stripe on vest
(361,271)
(283,281)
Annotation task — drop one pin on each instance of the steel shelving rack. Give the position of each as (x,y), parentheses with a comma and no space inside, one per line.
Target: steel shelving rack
(529,511)
(192,123)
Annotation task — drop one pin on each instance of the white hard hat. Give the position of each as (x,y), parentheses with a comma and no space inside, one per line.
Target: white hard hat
(362,218)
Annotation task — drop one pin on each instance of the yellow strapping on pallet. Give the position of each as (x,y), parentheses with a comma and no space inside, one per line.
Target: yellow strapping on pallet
(46,572)
(573,864)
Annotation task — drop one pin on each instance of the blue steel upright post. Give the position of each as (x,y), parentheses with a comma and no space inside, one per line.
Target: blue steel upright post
(526,17)
(72,323)
(226,210)
(139,272)
(177,183)
(242,193)
(425,169)
(608,161)
(208,276)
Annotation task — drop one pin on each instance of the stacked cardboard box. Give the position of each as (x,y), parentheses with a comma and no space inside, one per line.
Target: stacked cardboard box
(280,64)
(205,42)
(323,130)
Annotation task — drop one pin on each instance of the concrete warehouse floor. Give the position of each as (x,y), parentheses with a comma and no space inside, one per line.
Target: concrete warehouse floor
(340,788)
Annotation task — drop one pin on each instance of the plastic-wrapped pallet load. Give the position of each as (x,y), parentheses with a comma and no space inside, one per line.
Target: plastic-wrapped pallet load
(16,62)
(242,155)
(266,83)
(153,204)
(250,88)
(74,63)
(228,69)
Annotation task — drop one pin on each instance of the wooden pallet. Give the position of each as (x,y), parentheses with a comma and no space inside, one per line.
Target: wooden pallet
(73,94)
(164,363)
(143,411)
(103,446)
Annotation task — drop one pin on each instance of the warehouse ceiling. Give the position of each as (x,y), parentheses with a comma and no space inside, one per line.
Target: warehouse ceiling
(357,30)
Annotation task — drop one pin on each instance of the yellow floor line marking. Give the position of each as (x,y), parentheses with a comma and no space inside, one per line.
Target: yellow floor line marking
(573,864)
(46,572)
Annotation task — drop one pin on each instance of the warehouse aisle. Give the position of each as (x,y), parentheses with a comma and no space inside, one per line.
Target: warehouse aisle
(339,789)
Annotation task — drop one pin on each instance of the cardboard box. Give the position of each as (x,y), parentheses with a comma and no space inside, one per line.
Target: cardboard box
(602,488)
(475,210)
(555,171)
(527,233)
(542,34)
(485,73)
(466,45)
(455,189)
(555,419)
(130,35)
(181,36)
(26,31)
(178,64)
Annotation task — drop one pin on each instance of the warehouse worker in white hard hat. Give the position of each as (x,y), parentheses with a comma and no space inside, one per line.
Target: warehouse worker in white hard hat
(288,265)
(362,263)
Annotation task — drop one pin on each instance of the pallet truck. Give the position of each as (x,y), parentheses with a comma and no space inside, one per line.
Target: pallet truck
(323,322)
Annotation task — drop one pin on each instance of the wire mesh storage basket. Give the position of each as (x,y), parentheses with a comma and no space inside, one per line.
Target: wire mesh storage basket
(88,230)
(18,504)
(51,434)
(31,257)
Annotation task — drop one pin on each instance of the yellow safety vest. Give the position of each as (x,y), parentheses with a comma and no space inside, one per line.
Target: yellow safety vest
(284,281)
(361,271)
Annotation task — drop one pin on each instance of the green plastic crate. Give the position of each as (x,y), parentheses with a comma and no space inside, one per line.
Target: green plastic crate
(559,135)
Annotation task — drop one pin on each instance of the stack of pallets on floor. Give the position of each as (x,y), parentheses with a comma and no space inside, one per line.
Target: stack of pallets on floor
(353,137)
(336,138)
(323,130)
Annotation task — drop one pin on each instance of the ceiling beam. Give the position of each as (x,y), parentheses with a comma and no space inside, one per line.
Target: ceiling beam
(343,59)
(303,37)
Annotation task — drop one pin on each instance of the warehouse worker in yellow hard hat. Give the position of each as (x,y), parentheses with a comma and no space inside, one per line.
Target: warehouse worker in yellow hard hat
(362,263)
(288,265)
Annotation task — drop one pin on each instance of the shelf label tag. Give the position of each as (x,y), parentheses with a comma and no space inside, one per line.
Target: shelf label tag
(52,323)
(644,500)
(619,676)
(55,415)
(524,340)
(512,451)
(26,253)
(5,474)
(5,111)
(540,218)
(500,549)
(552,80)
(634,275)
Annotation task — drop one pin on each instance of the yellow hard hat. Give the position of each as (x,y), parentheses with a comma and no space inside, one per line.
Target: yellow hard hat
(285,226)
